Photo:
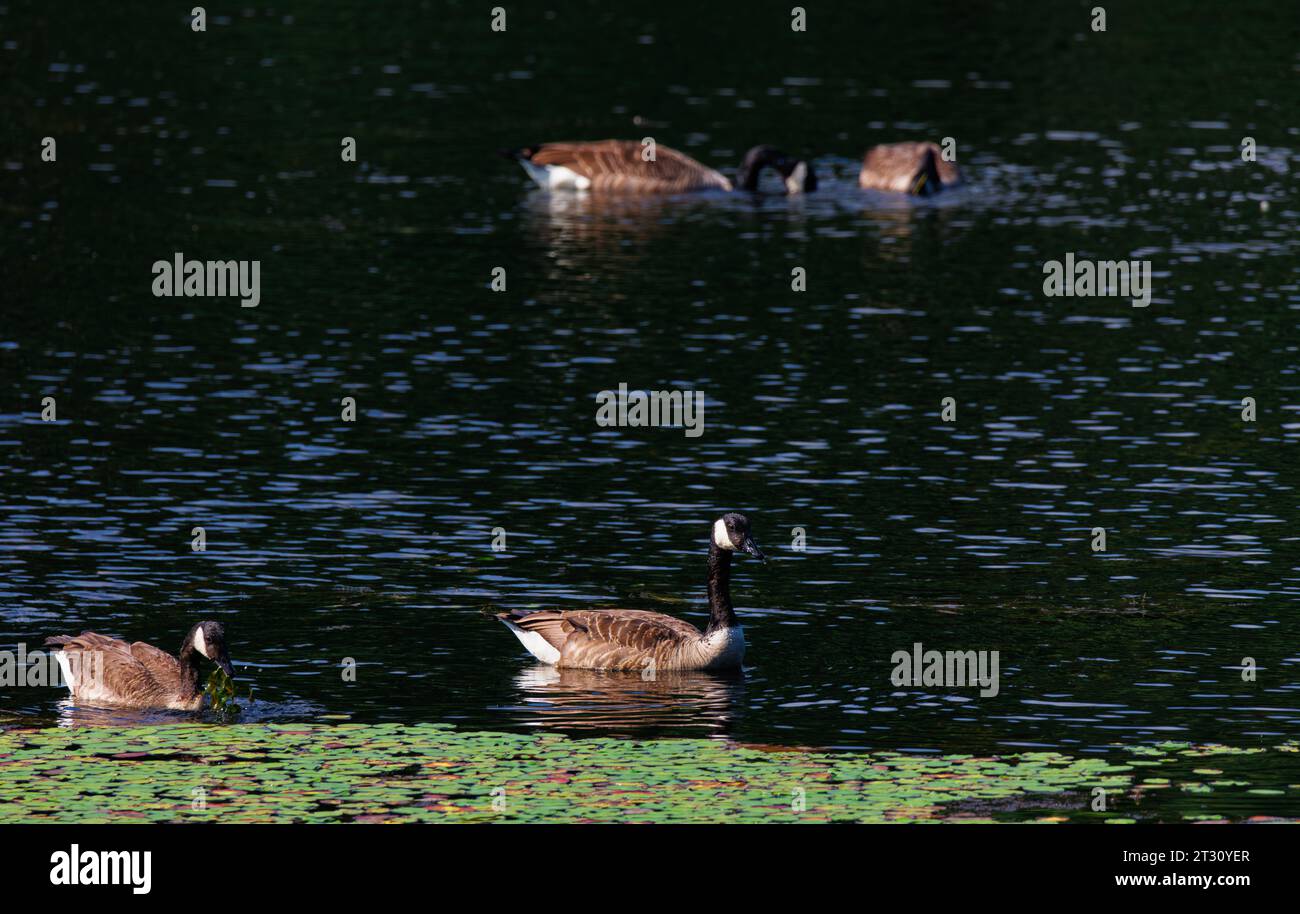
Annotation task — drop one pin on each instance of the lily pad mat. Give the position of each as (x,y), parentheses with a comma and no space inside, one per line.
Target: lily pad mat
(435,773)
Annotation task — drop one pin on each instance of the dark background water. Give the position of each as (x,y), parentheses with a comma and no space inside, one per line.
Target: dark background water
(372,540)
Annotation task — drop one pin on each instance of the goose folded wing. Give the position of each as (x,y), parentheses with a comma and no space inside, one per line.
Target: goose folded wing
(631,628)
(895,163)
(151,656)
(592,160)
(116,665)
(624,640)
(89,642)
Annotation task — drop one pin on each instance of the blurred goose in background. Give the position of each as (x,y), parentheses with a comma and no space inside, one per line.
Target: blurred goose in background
(100,670)
(796,174)
(907,168)
(619,166)
(633,639)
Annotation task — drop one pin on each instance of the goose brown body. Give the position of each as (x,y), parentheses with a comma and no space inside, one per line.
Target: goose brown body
(620,166)
(106,671)
(637,640)
(907,168)
(631,639)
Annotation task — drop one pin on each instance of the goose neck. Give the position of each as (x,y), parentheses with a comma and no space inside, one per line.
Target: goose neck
(721,614)
(190,660)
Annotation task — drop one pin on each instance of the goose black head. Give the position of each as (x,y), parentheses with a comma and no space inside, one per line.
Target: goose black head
(731,534)
(797,174)
(209,639)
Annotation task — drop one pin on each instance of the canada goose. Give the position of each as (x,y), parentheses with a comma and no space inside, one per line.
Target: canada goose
(796,173)
(621,166)
(104,671)
(907,168)
(632,639)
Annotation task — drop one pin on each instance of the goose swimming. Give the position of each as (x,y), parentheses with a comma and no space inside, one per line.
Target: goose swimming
(620,166)
(633,639)
(907,168)
(105,671)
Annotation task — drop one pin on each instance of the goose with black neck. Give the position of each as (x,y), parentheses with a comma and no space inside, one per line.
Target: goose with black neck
(636,640)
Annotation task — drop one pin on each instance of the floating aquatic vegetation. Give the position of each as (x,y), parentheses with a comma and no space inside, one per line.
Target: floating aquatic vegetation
(220,693)
(432,772)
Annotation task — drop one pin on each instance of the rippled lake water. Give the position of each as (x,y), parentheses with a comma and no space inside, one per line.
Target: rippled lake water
(372,540)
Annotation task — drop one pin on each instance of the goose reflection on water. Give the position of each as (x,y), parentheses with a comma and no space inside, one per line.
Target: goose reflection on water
(72,715)
(580,229)
(702,703)
(574,225)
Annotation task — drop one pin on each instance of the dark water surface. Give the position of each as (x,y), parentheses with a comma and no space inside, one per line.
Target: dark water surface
(372,540)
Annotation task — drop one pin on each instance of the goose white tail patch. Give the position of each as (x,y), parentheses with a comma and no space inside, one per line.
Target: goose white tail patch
(66,669)
(555,177)
(538,646)
(200,644)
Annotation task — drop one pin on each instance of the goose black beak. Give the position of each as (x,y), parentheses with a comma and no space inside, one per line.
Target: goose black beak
(752,548)
(226,667)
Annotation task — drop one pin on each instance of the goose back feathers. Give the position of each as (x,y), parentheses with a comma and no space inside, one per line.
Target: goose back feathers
(617,166)
(100,670)
(621,166)
(907,168)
